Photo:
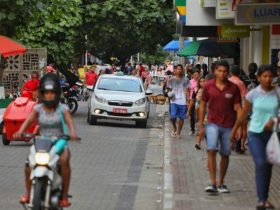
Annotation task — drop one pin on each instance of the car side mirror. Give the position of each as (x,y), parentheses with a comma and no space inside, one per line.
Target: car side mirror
(90,89)
(148,92)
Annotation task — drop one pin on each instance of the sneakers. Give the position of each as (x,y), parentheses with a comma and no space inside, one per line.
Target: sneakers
(211,189)
(223,189)
(214,189)
(192,133)
(197,147)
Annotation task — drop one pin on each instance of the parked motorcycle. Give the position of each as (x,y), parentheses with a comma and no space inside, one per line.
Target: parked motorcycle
(70,98)
(46,191)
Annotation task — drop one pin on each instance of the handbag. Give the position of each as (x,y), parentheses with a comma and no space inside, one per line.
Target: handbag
(273,145)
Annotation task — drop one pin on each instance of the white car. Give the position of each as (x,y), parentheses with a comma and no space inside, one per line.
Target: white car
(121,98)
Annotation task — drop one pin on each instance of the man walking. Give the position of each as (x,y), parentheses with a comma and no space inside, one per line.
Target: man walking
(91,77)
(223,100)
(178,100)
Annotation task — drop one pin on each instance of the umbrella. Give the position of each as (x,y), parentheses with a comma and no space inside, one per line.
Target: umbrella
(174,45)
(9,47)
(210,48)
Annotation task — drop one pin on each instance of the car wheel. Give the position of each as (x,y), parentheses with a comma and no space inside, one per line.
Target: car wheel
(5,140)
(141,123)
(91,119)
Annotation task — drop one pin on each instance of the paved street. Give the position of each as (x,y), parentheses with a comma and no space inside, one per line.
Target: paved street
(115,167)
(186,175)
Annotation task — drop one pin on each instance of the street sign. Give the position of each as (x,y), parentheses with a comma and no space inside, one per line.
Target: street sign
(261,14)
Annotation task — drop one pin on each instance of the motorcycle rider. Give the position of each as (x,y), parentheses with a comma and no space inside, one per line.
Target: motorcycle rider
(47,115)
(30,88)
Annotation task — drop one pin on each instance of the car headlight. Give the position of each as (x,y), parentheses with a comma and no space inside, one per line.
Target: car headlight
(140,102)
(100,99)
(42,158)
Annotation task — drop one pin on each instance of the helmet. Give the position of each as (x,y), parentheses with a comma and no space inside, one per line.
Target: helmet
(50,82)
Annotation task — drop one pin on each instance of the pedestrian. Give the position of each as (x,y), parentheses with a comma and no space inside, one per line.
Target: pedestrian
(204,70)
(223,100)
(178,100)
(195,102)
(242,134)
(189,68)
(192,90)
(264,102)
(253,82)
(91,77)
(129,69)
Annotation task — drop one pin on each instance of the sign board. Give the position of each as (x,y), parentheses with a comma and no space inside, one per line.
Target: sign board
(207,3)
(231,31)
(224,9)
(261,14)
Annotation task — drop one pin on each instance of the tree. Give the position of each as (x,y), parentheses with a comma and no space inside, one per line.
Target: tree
(54,25)
(123,28)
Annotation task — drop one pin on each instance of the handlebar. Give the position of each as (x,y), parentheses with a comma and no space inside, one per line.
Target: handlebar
(55,138)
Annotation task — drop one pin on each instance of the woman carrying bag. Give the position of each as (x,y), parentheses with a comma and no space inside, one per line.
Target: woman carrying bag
(264,103)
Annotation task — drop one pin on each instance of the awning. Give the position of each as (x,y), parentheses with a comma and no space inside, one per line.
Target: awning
(174,45)
(9,47)
(210,48)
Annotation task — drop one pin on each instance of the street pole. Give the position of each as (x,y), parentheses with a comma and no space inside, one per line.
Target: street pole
(86,58)
(182,45)
(138,58)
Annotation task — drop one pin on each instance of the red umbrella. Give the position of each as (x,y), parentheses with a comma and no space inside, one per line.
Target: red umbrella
(9,47)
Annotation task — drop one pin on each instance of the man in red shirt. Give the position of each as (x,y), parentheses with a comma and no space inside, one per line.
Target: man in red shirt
(223,100)
(31,86)
(91,77)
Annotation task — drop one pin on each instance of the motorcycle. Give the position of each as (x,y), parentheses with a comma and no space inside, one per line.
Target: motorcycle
(46,190)
(70,98)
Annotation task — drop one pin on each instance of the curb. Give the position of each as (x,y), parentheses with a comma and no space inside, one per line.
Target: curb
(167,200)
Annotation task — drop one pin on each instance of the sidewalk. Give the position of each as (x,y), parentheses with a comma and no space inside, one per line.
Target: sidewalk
(186,176)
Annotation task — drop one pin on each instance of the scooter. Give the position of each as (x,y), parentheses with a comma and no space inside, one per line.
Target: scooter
(14,115)
(46,190)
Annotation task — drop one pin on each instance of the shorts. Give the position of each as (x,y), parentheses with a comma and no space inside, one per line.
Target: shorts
(178,111)
(218,138)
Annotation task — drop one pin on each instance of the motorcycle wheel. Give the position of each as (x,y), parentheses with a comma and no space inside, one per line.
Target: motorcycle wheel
(38,194)
(72,104)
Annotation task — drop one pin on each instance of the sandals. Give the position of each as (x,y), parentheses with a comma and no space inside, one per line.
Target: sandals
(64,203)
(174,134)
(269,205)
(25,199)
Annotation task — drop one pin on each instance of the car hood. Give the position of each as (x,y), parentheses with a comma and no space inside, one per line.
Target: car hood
(120,96)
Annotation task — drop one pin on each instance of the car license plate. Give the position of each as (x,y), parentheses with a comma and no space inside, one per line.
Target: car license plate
(119,111)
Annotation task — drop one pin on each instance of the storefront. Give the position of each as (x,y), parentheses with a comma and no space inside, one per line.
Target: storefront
(264,40)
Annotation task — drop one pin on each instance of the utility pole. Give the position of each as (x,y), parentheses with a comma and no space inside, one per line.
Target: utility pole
(86,57)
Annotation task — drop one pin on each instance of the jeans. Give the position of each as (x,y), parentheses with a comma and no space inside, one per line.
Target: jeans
(218,138)
(257,143)
(192,120)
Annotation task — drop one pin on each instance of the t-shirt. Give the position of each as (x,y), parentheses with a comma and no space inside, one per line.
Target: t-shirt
(221,103)
(264,107)
(91,78)
(240,84)
(178,88)
(31,85)
(192,87)
(50,123)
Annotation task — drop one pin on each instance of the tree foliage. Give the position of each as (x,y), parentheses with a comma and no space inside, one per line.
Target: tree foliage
(118,28)
(123,28)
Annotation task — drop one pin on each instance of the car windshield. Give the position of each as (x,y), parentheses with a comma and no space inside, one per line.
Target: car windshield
(117,84)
